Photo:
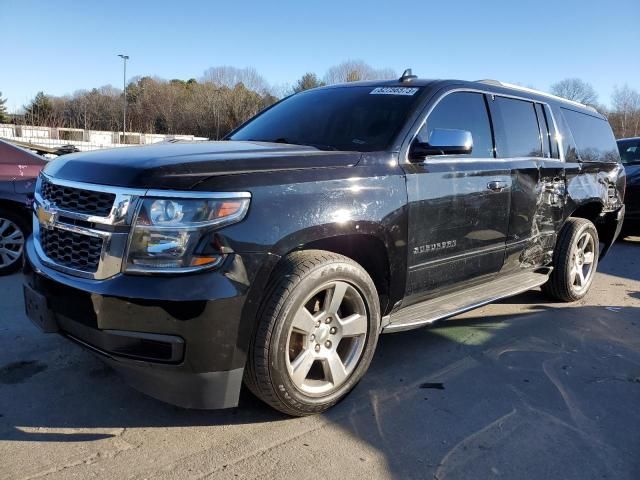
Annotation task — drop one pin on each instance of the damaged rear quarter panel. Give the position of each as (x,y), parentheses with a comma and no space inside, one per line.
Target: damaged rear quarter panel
(590,182)
(597,189)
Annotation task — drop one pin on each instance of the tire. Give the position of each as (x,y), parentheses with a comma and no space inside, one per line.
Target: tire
(572,256)
(303,329)
(13,234)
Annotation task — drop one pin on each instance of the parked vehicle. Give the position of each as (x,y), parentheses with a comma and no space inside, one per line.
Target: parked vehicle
(18,171)
(630,155)
(280,254)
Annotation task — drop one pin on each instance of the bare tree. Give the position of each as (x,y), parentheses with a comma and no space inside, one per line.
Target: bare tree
(625,116)
(577,90)
(227,76)
(355,70)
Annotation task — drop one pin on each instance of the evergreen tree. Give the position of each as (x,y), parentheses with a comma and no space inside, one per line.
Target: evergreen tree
(39,110)
(4,118)
(308,80)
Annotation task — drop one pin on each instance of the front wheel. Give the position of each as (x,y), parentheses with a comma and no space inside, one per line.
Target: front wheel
(575,260)
(317,333)
(13,232)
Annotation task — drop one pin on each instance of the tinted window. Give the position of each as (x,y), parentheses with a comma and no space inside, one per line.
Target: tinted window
(593,136)
(462,111)
(346,118)
(629,151)
(568,143)
(545,135)
(553,135)
(516,127)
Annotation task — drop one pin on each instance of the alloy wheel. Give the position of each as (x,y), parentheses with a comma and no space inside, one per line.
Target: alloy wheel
(326,338)
(582,262)
(11,242)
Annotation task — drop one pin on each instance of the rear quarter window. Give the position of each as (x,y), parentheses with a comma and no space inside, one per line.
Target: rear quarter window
(593,137)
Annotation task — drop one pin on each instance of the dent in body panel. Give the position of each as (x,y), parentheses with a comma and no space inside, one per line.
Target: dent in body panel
(549,203)
(596,182)
(550,193)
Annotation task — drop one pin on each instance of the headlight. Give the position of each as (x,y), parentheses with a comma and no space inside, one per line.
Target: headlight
(169,234)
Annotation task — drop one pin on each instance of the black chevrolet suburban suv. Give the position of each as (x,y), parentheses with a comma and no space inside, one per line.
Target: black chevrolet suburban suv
(278,255)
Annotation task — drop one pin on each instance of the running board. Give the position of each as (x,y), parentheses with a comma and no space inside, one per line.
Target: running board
(452,304)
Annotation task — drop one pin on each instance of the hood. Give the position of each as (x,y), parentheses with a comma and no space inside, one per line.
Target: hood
(181,166)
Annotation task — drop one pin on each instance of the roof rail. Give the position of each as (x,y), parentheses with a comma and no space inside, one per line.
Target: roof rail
(498,83)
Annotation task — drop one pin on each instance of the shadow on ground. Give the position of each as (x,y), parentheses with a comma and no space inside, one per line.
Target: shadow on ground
(629,249)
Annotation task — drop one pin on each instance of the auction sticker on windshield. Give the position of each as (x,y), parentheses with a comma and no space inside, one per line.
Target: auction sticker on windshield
(393,91)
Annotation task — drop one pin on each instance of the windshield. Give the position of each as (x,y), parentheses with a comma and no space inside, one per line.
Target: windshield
(629,151)
(363,119)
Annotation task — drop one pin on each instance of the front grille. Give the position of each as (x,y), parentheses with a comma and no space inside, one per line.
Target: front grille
(77,200)
(70,249)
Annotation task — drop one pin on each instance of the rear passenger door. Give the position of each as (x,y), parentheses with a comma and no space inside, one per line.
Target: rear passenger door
(523,140)
(458,204)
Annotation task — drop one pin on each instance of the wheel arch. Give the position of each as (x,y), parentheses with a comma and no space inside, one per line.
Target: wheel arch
(606,223)
(590,211)
(369,247)
(366,250)
(17,208)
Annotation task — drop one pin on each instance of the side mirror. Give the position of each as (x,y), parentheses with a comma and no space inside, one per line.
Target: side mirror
(443,141)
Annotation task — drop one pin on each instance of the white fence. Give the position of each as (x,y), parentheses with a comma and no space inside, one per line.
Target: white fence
(84,140)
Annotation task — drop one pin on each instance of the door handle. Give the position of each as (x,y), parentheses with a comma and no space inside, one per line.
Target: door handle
(497,185)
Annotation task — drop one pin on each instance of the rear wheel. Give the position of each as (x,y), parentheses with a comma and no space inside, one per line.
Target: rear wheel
(575,260)
(13,232)
(317,333)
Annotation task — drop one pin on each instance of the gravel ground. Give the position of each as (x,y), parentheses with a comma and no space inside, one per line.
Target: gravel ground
(519,389)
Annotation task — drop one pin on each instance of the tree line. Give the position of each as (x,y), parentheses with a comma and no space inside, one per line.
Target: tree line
(225,96)
(210,106)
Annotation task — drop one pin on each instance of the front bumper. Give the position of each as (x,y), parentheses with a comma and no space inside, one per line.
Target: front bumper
(177,338)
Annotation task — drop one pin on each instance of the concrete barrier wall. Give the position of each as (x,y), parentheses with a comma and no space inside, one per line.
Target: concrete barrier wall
(91,139)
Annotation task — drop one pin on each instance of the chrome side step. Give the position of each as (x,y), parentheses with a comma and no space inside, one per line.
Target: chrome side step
(429,311)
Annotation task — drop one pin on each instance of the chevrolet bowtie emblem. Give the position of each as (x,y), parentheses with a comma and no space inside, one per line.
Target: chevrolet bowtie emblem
(46,215)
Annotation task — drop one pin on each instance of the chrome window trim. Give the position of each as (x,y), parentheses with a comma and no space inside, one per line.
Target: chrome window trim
(424,118)
(115,243)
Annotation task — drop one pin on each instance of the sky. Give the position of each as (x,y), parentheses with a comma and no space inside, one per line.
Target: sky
(62,46)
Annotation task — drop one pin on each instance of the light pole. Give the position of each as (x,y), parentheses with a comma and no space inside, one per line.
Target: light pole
(124,88)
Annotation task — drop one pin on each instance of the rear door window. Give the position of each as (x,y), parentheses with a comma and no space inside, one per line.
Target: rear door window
(593,136)
(516,128)
(462,111)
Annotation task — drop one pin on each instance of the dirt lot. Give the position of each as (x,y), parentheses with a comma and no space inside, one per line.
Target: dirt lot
(519,389)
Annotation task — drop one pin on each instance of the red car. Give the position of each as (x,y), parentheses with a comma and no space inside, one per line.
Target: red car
(19,169)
